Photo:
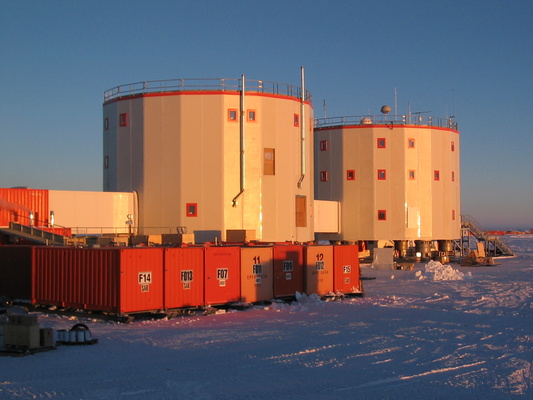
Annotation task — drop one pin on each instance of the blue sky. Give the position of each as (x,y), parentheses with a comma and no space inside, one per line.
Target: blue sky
(469,58)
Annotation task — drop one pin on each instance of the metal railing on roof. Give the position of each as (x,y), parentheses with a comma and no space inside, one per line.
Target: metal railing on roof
(205,84)
(389,120)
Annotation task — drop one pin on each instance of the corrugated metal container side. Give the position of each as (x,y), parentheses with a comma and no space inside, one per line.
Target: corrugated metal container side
(346,270)
(288,270)
(113,280)
(141,280)
(78,278)
(222,275)
(256,274)
(318,273)
(15,272)
(184,277)
(16,204)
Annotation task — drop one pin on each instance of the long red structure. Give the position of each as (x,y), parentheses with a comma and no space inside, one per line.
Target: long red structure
(129,280)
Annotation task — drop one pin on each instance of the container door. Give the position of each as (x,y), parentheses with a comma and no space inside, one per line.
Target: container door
(318,270)
(222,275)
(141,280)
(256,274)
(288,270)
(346,272)
(184,277)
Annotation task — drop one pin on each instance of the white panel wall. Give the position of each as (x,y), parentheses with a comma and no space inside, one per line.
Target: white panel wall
(92,212)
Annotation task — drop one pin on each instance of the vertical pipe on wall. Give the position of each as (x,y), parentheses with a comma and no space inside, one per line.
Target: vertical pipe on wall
(302,130)
(241,145)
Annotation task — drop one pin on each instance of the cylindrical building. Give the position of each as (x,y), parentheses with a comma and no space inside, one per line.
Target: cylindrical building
(395,177)
(213,155)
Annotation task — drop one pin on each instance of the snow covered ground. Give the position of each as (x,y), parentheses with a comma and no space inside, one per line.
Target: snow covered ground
(463,333)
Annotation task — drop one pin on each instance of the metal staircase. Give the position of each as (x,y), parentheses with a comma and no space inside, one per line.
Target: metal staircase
(493,245)
(33,234)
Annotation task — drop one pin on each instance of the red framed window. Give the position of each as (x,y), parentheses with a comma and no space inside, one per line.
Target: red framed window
(350,175)
(106,124)
(324,176)
(251,116)
(123,119)
(411,143)
(191,209)
(324,145)
(412,174)
(296,119)
(436,175)
(382,174)
(453,215)
(453,146)
(453,176)
(382,143)
(232,115)
(382,215)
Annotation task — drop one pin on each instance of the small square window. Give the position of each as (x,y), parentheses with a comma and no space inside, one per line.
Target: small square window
(382,143)
(324,145)
(411,143)
(296,119)
(324,176)
(382,174)
(192,210)
(106,124)
(123,119)
(436,175)
(382,215)
(251,115)
(453,146)
(232,115)
(350,175)
(412,175)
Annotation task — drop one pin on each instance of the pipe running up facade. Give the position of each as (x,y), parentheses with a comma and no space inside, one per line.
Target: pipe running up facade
(302,131)
(242,145)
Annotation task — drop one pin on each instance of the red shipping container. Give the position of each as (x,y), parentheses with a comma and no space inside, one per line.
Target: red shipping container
(121,281)
(222,275)
(318,273)
(256,274)
(15,272)
(346,270)
(184,277)
(288,270)
(16,205)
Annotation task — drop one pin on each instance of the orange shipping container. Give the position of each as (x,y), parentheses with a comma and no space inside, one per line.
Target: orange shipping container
(346,270)
(222,275)
(184,277)
(120,280)
(16,205)
(256,274)
(318,274)
(288,270)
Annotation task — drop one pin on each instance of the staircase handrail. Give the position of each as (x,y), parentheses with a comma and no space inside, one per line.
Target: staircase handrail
(33,231)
